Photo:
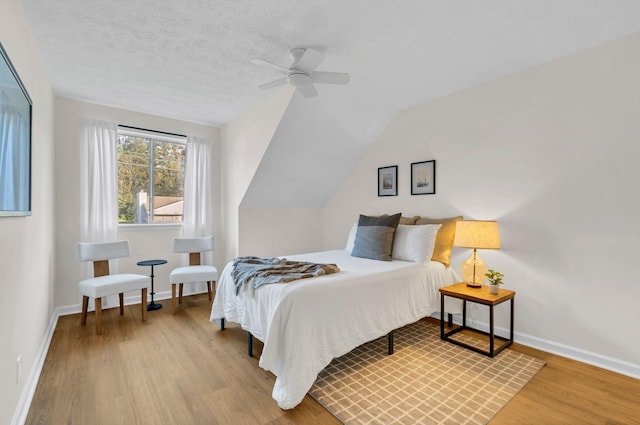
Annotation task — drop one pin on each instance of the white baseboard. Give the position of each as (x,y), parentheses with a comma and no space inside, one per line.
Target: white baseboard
(22,409)
(584,356)
(594,359)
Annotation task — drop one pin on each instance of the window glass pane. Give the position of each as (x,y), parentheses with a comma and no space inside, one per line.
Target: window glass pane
(133,179)
(168,182)
(150,178)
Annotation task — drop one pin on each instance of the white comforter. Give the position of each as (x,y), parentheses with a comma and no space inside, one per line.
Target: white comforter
(307,323)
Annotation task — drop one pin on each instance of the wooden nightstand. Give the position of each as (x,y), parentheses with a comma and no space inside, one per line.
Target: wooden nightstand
(479,295)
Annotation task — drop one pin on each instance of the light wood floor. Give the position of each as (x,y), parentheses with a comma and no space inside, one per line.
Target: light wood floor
(183,370)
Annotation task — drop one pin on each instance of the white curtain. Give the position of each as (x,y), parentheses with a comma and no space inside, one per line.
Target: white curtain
(197,188)
(14,157)
(99,182)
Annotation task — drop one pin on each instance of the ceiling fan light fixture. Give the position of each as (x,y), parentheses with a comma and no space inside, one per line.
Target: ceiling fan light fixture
(298,79)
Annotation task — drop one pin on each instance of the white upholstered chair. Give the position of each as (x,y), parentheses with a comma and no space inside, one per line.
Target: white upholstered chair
(102,283)
(195,271)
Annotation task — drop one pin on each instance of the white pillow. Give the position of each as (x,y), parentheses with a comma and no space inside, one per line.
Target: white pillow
(351,239)
(415,242)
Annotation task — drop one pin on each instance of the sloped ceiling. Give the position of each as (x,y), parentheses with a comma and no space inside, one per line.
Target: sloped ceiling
(189,60)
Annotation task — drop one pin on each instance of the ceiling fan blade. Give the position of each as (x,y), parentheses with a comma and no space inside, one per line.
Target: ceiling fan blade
(330,77)
(267,64)
(309,60)
(308,90)
(274,83)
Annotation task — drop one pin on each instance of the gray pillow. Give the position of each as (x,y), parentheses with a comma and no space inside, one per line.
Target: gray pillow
(374,237)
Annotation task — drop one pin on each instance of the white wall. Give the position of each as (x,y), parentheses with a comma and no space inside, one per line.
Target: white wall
(551,153)
(145,244)
(268,232)
(26,243)
(244,142)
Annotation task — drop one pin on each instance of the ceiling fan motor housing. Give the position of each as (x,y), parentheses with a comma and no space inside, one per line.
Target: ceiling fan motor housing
(298,79)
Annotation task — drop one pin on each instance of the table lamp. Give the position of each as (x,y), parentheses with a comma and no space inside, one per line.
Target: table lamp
(476,234)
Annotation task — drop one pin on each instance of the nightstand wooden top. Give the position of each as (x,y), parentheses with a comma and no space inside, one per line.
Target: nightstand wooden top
(479,295)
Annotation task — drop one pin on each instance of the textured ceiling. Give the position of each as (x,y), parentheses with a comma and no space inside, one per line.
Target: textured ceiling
(189,59)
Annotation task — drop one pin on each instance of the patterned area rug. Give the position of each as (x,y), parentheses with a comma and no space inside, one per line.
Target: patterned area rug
(426,380)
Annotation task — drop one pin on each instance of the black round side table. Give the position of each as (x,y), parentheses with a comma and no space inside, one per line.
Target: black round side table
(152,305)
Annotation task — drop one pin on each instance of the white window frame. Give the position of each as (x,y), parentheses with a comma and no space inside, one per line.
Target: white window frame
(161,137)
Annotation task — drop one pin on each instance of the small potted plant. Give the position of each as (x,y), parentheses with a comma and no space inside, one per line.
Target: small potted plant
(495,280)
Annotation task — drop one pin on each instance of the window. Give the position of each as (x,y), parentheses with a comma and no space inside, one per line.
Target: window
(150,176)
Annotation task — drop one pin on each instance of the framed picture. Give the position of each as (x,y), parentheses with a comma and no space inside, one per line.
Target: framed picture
(388,181)
(423,178)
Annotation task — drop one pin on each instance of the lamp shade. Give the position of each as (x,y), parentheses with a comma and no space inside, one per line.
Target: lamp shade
(477,234)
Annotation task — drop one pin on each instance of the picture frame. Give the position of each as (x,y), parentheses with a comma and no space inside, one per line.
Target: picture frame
(423,177)
(388,181)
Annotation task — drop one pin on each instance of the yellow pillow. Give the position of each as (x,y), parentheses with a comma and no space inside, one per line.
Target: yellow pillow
(444,240)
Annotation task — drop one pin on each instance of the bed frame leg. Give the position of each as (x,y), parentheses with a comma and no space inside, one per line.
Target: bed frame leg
(222,324)
(249,344)
(390,340)
(449,319)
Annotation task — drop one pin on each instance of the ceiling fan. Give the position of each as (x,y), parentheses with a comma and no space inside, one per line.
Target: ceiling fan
(302,73)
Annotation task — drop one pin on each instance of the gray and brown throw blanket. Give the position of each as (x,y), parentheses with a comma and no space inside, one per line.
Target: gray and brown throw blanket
(262,271)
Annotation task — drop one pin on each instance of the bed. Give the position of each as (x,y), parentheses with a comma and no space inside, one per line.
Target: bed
(307,323)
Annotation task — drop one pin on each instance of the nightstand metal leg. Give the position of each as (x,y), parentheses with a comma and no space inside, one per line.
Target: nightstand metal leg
(491,353)
(441,316)
(511,323)
(464,313)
